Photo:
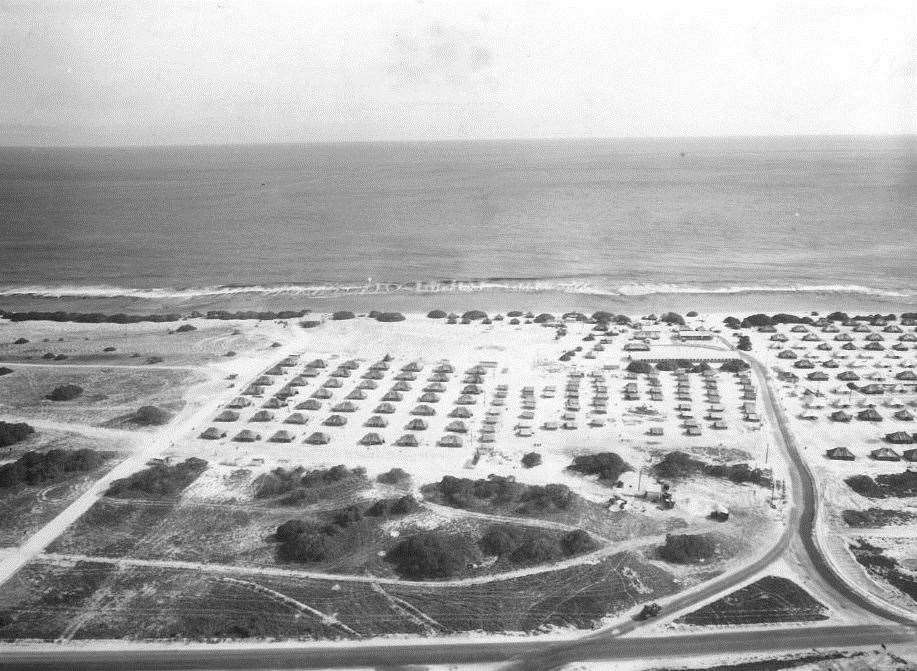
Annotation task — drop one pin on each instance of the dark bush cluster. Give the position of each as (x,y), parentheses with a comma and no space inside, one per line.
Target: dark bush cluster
(688,548)
(640,367)
(902,484)
(679,465)
(150,415)
(744,343)
(533,546)
(394,507)
(186,328)
(499,491)
(158,480)
(14,432)
(5,371)
(531,459)
(876,517)
(87,317)
(65,392)
(734,366)
(432,555)
(395,476)
(672,318)
(34,468)
(253,315)
(296,481)
(390,317)
(607,465)
(342,314)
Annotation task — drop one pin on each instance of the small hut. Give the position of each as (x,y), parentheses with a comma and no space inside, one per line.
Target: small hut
(332,383)
(356,395)
(296,418)
(457,426)
(910,455)
(393,396)
(335,420)
(904,415)
(423,411)
(273,403)
(367,384)
(318,438)
(376,422)
(309,404)
(899,438)
(247,436)
(869,415)
(428,397)
(416,424)
(839,416)
(227,416)
(239,402)
(407,440)
(371,439)
(212,433)
(465,399)
(885,454)
(840,454)
(317,363)
(460,412)
(435,388)
(344,406)
(401,386)
(384,409)
(451,440)
(282,436)
(262,416)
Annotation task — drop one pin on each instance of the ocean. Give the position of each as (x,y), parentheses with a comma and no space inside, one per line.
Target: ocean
(793,221)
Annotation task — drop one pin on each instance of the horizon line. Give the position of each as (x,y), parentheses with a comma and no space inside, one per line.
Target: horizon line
(493,140)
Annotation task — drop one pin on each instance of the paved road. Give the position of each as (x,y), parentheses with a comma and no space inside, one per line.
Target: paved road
(331,656)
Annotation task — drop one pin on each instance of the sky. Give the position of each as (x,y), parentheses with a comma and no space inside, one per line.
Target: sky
(126,72)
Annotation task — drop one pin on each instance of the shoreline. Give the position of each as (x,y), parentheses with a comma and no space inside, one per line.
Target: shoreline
(482,299)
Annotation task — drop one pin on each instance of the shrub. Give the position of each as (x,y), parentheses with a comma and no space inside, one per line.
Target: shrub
(744,343)
(14,432)
(537,549)
(732,322)
(501,540)
(431,555)
(499,491)
(757,320)
(544,318)
(65,392)
(688,548)
(290,529)
(5,371)
(679,465)
(158,480)
(347,516)
(531,459)
(313,546)
(691,313)
(672,318)
(734,366)
(390,317)
(577,542)
(642,367)
(150,415)
(309,323)
(473,315)
(436,314)
(607,465)
(185,328)
(343,314)
(34,468)
(395,476)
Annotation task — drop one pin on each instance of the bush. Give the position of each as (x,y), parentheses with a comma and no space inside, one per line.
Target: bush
(473,315)
(757,320)
(390,317)
(343,314)
(886,485)
(65,392)
(309,323)
(607,465)
(501,540)
(5,371)
(691,313)
(395,476)
(641,367)
(158,480)
(150,415)
(21,341)
(347,516)
(734,366)
(679,465)
(499,491)
(14,432)
(577,542)
(688,548)
(34,468)
(537,549)
(431,555)
(672,318)
(290,530)
(732,322)
(531,460)
(185,328)
(544,318)
(436,314)
(312,546)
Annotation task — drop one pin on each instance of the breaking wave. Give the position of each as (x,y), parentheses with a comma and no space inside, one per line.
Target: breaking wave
(573,285)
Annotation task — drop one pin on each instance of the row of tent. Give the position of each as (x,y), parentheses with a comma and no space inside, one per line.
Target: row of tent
(879,454)
(320,438)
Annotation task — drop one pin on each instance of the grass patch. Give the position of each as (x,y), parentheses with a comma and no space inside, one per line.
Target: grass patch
(876,517)
(770,599)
